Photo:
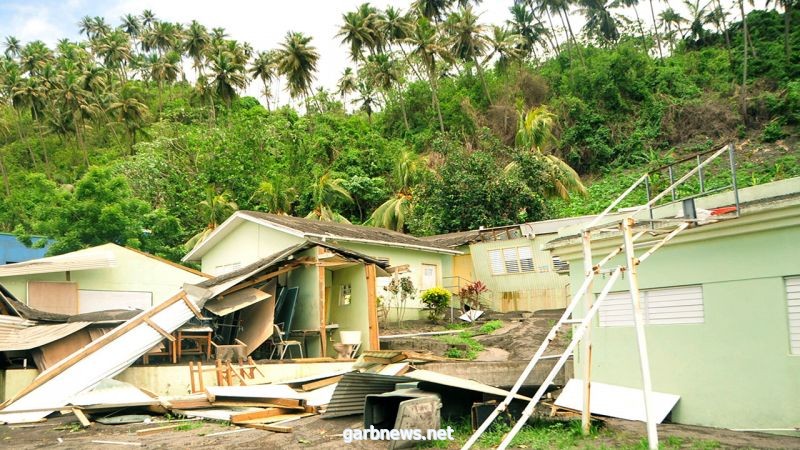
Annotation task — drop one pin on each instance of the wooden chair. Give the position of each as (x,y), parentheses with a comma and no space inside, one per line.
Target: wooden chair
(281,345)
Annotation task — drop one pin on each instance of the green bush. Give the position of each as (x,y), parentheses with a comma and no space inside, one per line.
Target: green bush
(436,300)
(773,131)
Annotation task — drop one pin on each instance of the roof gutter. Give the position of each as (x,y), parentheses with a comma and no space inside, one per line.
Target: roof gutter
(392,244)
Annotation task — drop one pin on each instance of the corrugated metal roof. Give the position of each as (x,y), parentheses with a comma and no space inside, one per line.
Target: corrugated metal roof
(100,257)
(22,334)
(426,376)
(352,390)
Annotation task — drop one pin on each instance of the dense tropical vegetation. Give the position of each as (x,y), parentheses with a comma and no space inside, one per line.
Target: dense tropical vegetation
(139,133)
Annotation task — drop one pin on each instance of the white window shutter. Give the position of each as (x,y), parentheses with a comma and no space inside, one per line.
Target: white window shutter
(496,262)
(793,304)
(669,306)
(511,260)
(526,259)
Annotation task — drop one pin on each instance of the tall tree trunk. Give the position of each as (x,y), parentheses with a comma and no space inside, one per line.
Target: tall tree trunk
(655,25)
(744,63)
(27,144)
(483,79)
(41,142)
(4,173)
(435,96)
(402,102)
(574,41)
(266,94)
(787,25)
(553,29)
(569,47)
(641,29)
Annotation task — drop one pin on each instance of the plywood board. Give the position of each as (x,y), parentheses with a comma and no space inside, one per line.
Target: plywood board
(616,401)
(94,300)
(53,296)
(257,320)
(257,391)
(49,355)
(238,300)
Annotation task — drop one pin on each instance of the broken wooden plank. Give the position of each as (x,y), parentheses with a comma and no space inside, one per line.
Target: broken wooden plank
(265,427)
(85,422)
(267,403)
(132,444)
(320,383)
(275,419)
(149,431)
(256,415)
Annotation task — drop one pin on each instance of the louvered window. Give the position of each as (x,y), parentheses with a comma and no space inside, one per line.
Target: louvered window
(793,303)
(678,305)
(511,260)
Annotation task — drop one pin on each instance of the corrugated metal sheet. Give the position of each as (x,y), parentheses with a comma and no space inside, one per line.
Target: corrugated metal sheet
(101,359)
(99,257)
(352,390)
(20,334)
(426,376)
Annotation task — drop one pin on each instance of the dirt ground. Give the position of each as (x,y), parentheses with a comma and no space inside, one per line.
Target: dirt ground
(317,433)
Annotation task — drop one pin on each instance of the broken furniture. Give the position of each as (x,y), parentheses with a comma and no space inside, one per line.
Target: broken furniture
(230,352)
(349,345)
(404,408)
(199,336)
(164,348)
(280,345)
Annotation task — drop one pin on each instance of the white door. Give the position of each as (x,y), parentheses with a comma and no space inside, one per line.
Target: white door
(428,276)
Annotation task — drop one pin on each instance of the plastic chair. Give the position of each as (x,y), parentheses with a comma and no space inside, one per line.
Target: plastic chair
(281,345)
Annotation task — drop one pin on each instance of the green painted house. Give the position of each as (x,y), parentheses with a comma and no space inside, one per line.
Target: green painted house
(331,295)
(722,313)
(520,275)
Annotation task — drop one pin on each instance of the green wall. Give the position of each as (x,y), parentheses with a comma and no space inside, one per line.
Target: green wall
(415,259)
(529,291)
(734,370)
(355,316)
(246,243)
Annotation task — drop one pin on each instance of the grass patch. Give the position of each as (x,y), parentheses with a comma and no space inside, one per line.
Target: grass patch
(188,426)
(488,327)
(463,339)
(457,325)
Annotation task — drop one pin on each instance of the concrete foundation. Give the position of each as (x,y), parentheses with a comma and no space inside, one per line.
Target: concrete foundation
(502,373)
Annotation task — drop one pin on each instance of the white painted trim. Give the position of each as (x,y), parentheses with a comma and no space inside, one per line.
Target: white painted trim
(385,244)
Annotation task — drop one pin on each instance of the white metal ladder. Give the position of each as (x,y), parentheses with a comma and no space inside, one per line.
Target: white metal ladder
(631,230)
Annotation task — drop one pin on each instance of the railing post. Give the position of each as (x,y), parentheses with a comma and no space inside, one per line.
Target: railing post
(700,176)
(672,181)
(641,340)
(586,347)
(732,160)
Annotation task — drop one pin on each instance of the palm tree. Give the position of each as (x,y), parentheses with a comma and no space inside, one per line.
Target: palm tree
(533,33)
(506,45)
(325,192)
(115,49)
(392,213)
(562,8)
(699,17)
(432,9)
(228,75)
(131,112)
(86,26)
(148,18)
(76,101)
(12,47)
(467,41)
(297,61)
(361,29)
(669,18)
(215,208)
(264,67)
(275,195)
(366,99)
(655,25)
(429,48)
(14,86)
(535,134)
(633,5)
(600,23)
(33,94)
(197,44)
(347,84)
(165,69)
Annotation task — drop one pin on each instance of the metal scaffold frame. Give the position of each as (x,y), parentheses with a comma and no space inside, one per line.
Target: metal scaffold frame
(630,229)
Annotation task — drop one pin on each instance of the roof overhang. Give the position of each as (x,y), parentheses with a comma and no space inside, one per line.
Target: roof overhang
(237,218)
(90,258)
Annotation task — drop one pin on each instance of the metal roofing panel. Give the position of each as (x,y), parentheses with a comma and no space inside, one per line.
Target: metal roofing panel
(352,390)
(20,335)
(91,258)
(227,304)
(460,383)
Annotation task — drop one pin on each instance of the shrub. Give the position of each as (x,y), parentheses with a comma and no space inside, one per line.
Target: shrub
(436,300)
(773,131)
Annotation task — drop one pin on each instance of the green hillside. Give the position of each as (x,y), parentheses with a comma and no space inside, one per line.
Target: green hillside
(139,135)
